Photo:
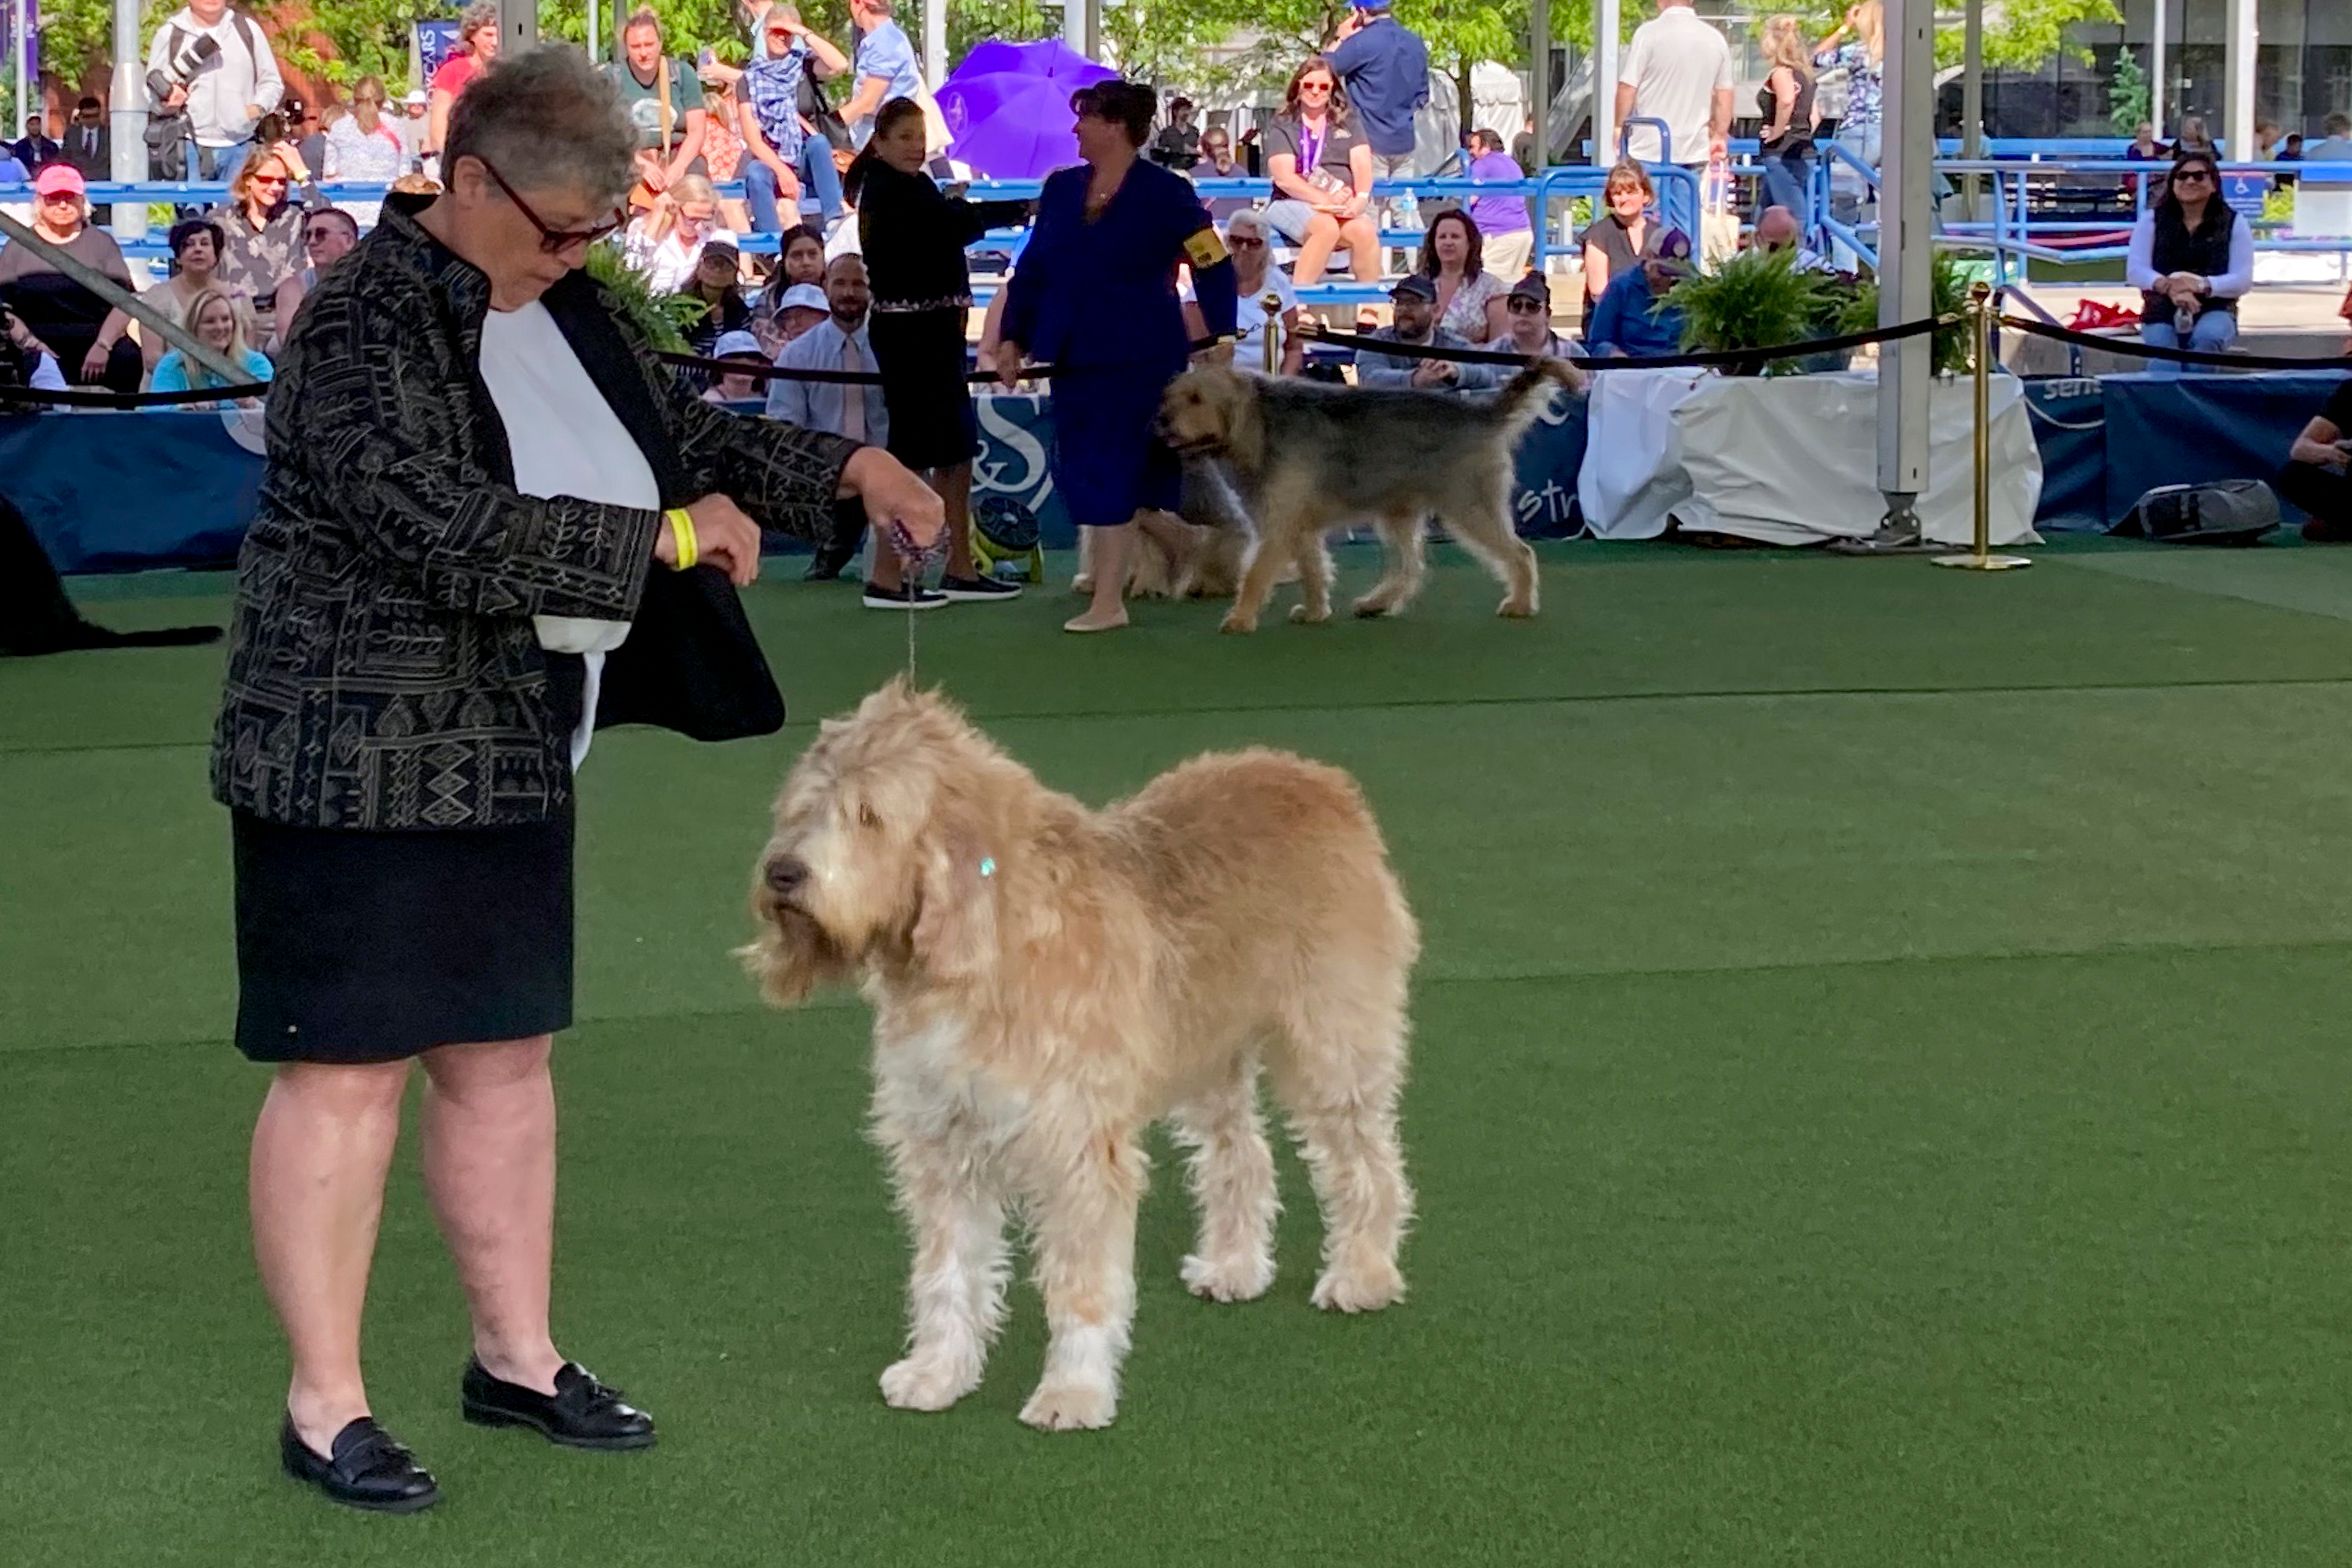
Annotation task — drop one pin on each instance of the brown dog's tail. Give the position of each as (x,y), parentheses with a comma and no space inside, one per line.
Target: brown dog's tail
(1521,402)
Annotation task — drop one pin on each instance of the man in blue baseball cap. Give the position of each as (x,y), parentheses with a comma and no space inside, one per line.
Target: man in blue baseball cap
(1635,318)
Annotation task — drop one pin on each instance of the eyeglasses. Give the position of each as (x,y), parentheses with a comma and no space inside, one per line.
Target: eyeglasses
(553,241)
(320,236)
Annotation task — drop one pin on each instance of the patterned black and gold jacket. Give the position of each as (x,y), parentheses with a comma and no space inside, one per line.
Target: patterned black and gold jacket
(383,668)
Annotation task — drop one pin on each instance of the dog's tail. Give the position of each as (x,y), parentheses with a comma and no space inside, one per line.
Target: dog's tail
(1521,402)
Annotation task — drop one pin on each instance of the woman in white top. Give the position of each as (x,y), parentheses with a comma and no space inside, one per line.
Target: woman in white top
(363,147)
(1255,276)
(1469,298)
(2192,259)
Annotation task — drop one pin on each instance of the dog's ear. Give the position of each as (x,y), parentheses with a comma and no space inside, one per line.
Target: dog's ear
(955,931)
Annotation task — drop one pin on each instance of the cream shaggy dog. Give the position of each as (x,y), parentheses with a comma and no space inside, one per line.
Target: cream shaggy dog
(1308,458)
(1048,980)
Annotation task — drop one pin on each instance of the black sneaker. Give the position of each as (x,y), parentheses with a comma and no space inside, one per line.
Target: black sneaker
(977,590)
(581,1413)
(911,597)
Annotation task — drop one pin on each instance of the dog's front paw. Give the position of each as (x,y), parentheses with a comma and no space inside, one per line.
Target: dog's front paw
(1070,1407)
(1372,606)
(915,1384)
(1365,1289)
(1240,1279)
(1238,624)
(1310,615)
(1516,609)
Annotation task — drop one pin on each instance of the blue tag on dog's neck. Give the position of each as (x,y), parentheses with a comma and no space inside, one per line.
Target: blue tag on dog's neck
(988,865)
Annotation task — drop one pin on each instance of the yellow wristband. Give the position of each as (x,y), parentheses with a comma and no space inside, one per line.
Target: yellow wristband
(682,531)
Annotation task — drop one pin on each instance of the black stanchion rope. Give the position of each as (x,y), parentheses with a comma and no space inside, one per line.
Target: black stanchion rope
(2132,348)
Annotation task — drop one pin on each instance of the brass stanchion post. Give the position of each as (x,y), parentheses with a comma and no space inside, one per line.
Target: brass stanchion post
(1271,304)
(1982,559)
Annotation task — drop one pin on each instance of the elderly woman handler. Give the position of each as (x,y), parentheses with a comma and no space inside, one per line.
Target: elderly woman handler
(480,491)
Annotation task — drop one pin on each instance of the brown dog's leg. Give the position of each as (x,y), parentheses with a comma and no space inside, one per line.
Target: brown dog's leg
(1338,1078)
(1233,1187)
(1314,566)
(1289,525)
(1483,527)
(1402,568)
(1084,1225)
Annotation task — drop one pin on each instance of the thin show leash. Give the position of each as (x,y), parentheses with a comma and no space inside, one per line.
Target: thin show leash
(912,559)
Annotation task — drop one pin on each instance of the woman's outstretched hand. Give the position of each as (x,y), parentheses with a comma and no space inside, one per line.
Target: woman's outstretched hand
(896,501)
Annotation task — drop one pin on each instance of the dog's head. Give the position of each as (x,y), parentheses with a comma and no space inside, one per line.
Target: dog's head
(884,848)
(1202,409)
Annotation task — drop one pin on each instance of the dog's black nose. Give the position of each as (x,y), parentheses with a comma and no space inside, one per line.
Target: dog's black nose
(785,875)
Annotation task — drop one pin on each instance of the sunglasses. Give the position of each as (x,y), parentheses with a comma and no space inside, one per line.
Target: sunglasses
(1314,87)
(1244,242)
(554,241)
(2199,175)
(1523,307)
(320,236)
(269,179)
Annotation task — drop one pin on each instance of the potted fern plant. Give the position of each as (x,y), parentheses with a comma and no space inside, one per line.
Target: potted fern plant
(1757,299)
(662,318)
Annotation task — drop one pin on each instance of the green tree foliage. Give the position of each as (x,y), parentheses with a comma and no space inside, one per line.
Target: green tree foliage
(2127,94)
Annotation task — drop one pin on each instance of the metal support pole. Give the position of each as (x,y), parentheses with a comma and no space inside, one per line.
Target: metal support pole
(1972,101)
(934,41)
(2156,69)
(1604,94)
(1539,77)
(20,44)
(1906,265)
(595,34)
(2237,99)
(127,119)
(1980,329)
(518,25)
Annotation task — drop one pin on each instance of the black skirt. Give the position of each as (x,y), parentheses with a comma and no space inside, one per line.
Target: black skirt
(372,947)
(920,357)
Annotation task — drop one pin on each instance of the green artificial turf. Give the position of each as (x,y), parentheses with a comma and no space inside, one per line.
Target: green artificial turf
(1880,1098)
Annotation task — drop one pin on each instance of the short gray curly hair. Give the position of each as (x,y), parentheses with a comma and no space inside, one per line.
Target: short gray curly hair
(545,119)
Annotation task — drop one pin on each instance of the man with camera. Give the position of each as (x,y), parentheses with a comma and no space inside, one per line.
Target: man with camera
(212,76)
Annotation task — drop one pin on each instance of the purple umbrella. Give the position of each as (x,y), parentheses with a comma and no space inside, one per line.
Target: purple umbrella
(1007,126)
(1048,59)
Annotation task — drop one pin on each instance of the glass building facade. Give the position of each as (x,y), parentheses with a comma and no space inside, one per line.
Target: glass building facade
(2302,70)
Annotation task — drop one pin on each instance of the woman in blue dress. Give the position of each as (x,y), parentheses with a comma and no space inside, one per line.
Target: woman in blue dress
(1095,296)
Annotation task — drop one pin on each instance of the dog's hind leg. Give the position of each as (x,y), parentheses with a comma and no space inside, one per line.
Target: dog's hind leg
(1233,1186)
(1482,525)
(1082,1204)
(1314,568)
(1338,1079)
(1403,565)
(955,1295)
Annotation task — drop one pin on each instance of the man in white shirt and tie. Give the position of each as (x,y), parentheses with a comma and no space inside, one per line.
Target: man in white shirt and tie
(855,412)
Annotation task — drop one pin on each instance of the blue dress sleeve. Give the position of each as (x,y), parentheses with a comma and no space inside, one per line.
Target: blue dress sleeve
(1213,286)
(1033,273)
(171,373)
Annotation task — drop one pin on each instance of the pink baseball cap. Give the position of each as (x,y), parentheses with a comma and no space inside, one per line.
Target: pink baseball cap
(59,179)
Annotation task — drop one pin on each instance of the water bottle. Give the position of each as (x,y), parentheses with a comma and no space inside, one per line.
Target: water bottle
(2184,321)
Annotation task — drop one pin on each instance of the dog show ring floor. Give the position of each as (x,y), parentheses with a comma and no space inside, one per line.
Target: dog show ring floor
(1880,1096)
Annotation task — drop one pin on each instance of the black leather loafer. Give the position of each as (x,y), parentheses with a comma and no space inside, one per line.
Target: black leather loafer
(367,1470)
(581,1413)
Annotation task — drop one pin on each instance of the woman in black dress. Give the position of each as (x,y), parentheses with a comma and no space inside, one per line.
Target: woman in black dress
(913,235)
(472,547)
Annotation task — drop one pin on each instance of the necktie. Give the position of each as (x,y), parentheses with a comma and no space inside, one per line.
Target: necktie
(853,397)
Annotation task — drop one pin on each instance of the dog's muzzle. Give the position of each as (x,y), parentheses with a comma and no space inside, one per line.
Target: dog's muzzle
(784,877)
